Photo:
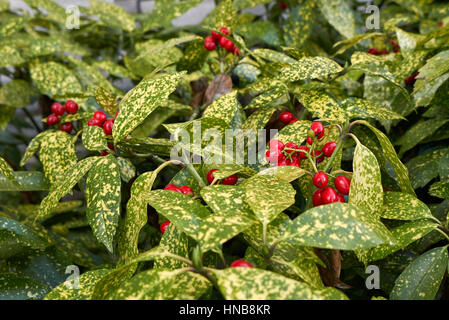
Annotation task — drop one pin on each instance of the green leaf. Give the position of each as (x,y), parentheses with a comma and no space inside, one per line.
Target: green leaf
(274,94)
(113,15)
(56,12)
(362,109)
(257,284)
(340,15)
(285,173)
(366,190)
(272,55)
(13,25)
(268,196)
(87,281)
(54,79)
(261,30)
(337,226)
(115,69)
(103,187)
(434,68)
(64,185)
(224,108)
(321,105)
(26,181)
(310,68)
(225,15)
(94,138)
(422,278)
(15,287)
(106,100)
(52,45)
(176,242)
(258,119)
(402,174)
(298,25)
(127,169)
(444,165)
(440,189)
(295,132)
(162,285)
(139,102)
(17,93)
(425,167)
(7,171)
(404,206)
(10,56)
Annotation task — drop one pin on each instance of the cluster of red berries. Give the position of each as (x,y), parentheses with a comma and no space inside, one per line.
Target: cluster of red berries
(231,180)
(101,120)
(287,117)
(58,110)
(410,80)
(285,154)
(217,39)
(325,194)
(182,189)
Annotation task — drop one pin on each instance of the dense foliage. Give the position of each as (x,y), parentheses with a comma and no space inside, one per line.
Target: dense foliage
(357,174)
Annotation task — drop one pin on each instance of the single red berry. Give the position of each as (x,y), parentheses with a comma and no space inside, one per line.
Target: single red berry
(229,46)
(302,155)
(293,120)
(172,187)
(318,128)
(57,108)
(276,145)
(394,43)
(274,156)
(396,49)
(319,154)
(231,180)
(209,46)
(317,201)
(283,163)
(224,42)
(286,117)
(94,122)
(410,81)
(66,126)
(186,190)
(291,145)
(104,153)
(210,176)
(116,114)
(329,148)
(282,5)
(373,51)
(100,116)
(164,226)
(295,162)
(111,147)
(236,51)
(107,127)
(241,263)
(340,198)
(71,106)
(225,31)
(309,140)
(52,119)
(342,184)
(441,24)
(320,179)
(215,35)
(328,195)
(383,52)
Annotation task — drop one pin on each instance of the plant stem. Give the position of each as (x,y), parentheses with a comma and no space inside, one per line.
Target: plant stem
(334,155)
(29,116)
(191,169)
(443,233)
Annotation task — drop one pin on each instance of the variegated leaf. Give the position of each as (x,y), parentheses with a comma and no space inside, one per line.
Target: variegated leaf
(106,100)
(423,168)
(321,105)
(17,93)
(26,181)
(94,138)
(7,171)
(274,94)
(440,189)
(285,173)
(176,242)
(103,197)
(224,108)
(113,15)
(362,109)
(17,287)
(10,56)
(340,15)
(310,68)
(127,169)
(295,132)
(298,25)
(404,206)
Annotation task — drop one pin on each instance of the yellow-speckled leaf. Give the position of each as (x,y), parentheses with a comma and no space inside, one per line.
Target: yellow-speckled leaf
(422,278)
(245,4)
(321,105)
(17,93)
(52,45)
(56,12)
(225,15)
(310,68)
(139,102)
(10,56)
(19,287)
(268,196)
(26,181)
(340,15)
(362,109)
(87,282)
(166,11)
(404,206)
(425,167)
(285,173)
(13,25)
(113,15)
(298,25)
(272,55)
(52,79)
(64,185)
(258,119)
(103,197)
(115,69)
(295,132)
(94,138)
(224,108)
(4,5)
(163,285)
(440,189)
(7,171)
(106,100)
(273,94)
(337,226)
(176,242)
(366,190)
(127,169)
(258,284)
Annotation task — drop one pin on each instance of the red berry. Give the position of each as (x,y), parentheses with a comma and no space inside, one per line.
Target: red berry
(383,52)
(111,147)
(342,184)
(71,106)
(302,155)
(164,226)
(58,109)
(94,122)
(319,154)
(295,162)
(276,145)
(215,35)
(373,51)
(286,117)
(100,116)
(441,24)
(210,175)
(172,187)
(317,198)
(282,5)
(309,140)
(410,81)
(66,126)
(394,43)
(52,119)
(236,51)
(293,120)
(231,180)
(274,156)
(104,153)
(107,126)
(224,42)
(240,263)
(329,148)
(187,190)
(229,46)
(328,195)
(340,198)
(320,179)
(116,114)
(291,145)
(224,30)
(396,49)
(283,163)
(210,46)
(318,128)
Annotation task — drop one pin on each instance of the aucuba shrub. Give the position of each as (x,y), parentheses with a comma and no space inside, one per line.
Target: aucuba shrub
(350,169)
